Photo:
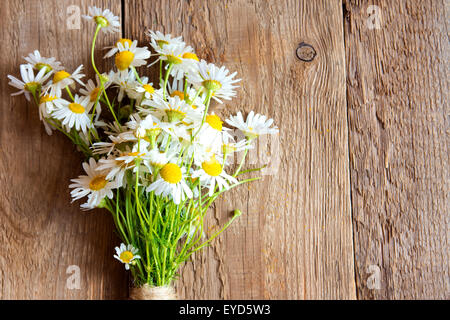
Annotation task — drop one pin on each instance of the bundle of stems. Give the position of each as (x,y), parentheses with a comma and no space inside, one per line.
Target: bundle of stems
(157,159)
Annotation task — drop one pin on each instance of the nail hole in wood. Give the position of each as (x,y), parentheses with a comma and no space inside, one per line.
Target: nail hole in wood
(305,52)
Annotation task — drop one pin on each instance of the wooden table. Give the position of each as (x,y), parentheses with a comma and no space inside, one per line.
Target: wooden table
(358,206)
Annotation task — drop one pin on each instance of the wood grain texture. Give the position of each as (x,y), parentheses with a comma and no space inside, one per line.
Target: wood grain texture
(41,232)
(398,88)
(294,240)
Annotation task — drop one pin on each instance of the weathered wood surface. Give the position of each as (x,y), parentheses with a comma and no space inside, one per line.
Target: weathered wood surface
(363,133)
(294,240)
(41,232)
(399,157)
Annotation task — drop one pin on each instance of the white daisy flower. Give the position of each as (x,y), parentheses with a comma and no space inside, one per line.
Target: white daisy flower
(211,174)
(188,94)
(74,114)
(158,39)
(62,79)
(174,109)
(171,182)
(116,166)
(181,57)
(210,134)
(146,90)
(29,83)
(115,169)
(229,146)
(142,128)
(255,125)
(198,152)
(217,80)
(139,90)
(130,55)
(47,104)
(126,254)
(38,62)
(93,92)
(127,84)
(176,130)
(94,185)
(105,18)
(194,100)
(130,158)
(188,65)
(114,49)
(125,161)
(107,147)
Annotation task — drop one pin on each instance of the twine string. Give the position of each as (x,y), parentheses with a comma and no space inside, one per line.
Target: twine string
(147,292)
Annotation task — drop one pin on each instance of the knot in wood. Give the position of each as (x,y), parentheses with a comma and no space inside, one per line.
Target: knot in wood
(305,52)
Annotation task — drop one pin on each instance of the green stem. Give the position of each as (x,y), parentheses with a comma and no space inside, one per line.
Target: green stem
(93,49)
(215,235)
(208,100)
(70,93)
(166,79)
(136,74)
(100,76)
(251,170)
(242,162)
(168,143)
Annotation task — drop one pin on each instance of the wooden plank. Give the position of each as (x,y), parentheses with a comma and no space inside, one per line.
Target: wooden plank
(294,240)
(398,120)
(41,233)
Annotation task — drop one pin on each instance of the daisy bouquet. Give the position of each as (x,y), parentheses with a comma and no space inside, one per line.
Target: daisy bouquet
(156,157)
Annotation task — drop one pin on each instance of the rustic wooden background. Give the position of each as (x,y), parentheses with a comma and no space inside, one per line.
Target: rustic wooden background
(362,184)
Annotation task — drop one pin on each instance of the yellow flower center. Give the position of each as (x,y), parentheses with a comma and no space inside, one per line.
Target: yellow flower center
(174,115)
(171,173)
(46,98)
(190,55)
(148,88)
(126,256)
(94,94)
(123,41)
(41,65)
(60,75)
(32,86)
(214,121)
(212,167)
(124,59)
(98,183)
(173,59)
(152,133)
(76,108)
(212,85)
(161,43)
(178,94)
(101,20)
